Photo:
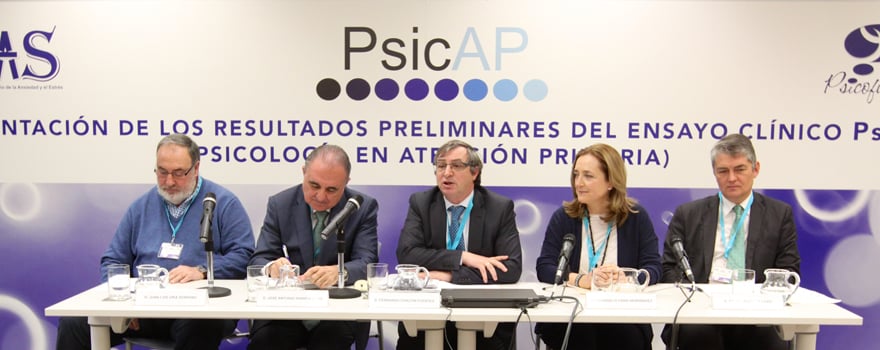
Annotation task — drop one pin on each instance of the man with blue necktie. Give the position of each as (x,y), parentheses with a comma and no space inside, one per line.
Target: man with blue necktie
(463,234)
(735,229)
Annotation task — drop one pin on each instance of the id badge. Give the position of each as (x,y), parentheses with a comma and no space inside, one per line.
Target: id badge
(170,250)
(721,275)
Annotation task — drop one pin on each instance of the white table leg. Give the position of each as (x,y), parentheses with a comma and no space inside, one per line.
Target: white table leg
(433,332)
(467,333)
(433,339)
(100,331)
(804,336)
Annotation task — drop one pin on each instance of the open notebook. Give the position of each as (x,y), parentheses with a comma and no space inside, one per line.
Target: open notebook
(490,297)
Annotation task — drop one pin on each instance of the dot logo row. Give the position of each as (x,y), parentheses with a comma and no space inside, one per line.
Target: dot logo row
(445,90)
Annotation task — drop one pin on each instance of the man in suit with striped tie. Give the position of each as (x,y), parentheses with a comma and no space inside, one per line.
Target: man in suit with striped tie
(462,233)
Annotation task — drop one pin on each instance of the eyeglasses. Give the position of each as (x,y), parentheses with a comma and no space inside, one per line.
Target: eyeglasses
(456,166)
(162,173)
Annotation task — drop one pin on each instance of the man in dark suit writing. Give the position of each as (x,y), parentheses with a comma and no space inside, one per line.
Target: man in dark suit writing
(462,233)
(291,235)
(737,228)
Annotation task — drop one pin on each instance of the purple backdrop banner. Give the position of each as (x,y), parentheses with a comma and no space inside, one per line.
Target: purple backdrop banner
(54,235)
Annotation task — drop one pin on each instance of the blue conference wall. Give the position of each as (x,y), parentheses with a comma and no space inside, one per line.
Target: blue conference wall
(54,234)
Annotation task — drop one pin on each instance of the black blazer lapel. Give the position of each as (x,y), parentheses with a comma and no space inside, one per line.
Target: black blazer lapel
(757,228)
(478,213)
(437,214)
(707,229)
(302,230)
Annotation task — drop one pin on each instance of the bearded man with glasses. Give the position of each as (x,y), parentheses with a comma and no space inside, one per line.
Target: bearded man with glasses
(162,227)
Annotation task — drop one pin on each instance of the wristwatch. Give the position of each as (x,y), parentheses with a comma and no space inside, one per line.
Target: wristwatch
(203,270)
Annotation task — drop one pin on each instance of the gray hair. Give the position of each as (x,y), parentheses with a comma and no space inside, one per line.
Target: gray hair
(735,145)
(182,140)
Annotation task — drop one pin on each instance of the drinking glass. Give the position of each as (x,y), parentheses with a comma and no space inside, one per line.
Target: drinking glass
(118,279)
(377,276)
(602,281)
(743,281)
(289,277)
(256,281)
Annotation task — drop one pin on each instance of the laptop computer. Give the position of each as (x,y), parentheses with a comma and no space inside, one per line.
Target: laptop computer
(490,298)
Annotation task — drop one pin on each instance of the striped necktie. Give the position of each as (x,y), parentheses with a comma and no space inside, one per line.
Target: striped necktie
(737,256)
(454,224)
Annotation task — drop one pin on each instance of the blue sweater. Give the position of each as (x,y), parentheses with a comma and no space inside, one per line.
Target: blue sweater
(145,226)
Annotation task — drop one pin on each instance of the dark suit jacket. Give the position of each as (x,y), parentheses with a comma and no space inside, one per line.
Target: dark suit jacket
(772,238)
(636,244)
(492,231)
(288,220)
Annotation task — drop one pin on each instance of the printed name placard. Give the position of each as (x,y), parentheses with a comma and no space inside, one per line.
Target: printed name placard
(610,300)
(301,298)
(405,299)
(170,296)
(754,301)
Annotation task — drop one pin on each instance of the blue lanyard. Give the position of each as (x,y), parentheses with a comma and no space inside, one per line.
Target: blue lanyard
(592,255)
(452,242)
(728,243)
(175,228)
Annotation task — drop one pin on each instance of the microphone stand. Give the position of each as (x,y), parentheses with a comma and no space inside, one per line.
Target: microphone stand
(340,291)
(673,342)
(213,292)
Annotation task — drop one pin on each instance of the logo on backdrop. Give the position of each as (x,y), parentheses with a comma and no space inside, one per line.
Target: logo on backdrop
(863,44)
(365,49)
(27,57)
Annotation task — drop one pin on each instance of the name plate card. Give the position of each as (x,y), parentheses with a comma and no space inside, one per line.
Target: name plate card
(422,300)
(755,301)
(300,298)
(170,296)
(611,300)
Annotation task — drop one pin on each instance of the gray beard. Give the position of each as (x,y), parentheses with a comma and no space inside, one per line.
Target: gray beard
(174,199)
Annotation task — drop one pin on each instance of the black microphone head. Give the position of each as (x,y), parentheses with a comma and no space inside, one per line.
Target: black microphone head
(357,200)
(678,247)
(210,197)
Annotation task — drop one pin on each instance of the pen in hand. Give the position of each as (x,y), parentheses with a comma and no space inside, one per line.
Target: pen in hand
(273,271)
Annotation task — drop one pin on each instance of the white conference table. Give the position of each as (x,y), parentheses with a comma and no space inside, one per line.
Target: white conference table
(799,321)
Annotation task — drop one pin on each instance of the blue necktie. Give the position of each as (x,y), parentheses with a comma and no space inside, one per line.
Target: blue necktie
(455,214)
(737,256)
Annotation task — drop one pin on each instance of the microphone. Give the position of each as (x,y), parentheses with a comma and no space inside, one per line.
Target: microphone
(209,203)
(354,203)
(564,254)
(682,258)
